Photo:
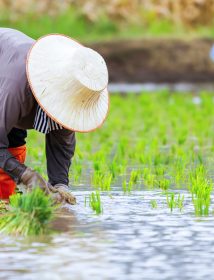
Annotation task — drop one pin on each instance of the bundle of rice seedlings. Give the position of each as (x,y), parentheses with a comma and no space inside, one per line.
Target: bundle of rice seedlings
(28,214)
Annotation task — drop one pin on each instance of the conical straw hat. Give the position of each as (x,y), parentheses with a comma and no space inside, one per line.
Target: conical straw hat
(69,81)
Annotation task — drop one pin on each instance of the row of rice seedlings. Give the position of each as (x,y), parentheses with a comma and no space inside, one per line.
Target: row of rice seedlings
(146,150)
(111,151)
(155,180)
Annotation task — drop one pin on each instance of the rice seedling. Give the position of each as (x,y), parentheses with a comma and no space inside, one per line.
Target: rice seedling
(134,176)
(95,202)
(102,180)
(146,172)
(105,184)
(113,168)
(127,187)
(160,170)
(149,180)
(124,186)
(97,166)
(153,204)
(158,160)
(200,188)
(77,171)
(174,201)
(28,214)
(182,137)
(161,159)
(180,201)
(162,184)
(122,146)
(178,170)
(97,178)
(122,166)
(202,199)
(143,158)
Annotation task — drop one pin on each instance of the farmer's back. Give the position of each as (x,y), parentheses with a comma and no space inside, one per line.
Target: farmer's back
(14,47)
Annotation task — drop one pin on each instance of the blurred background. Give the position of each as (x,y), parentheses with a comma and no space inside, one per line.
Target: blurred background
(146,43)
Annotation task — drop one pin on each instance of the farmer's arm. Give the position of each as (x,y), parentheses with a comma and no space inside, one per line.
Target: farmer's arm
(9,115)
(12,106)
(60,147)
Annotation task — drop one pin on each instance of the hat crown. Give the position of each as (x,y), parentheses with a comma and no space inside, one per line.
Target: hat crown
(89,68)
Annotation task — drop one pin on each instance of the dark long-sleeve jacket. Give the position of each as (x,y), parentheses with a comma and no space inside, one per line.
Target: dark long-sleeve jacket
(18,106)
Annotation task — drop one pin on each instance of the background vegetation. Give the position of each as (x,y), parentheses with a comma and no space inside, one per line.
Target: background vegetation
(102,19)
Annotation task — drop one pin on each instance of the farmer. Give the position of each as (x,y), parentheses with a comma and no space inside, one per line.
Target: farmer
(56,86)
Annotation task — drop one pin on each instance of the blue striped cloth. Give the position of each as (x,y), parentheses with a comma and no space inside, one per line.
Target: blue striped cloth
(43,123)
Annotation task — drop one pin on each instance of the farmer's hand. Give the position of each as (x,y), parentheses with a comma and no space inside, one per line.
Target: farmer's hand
(32,179)
(64,193)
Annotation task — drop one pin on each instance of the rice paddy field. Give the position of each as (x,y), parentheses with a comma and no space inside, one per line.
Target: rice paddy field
(145,202)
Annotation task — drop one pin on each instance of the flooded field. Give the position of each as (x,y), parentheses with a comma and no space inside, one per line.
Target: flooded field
(151,167)
(129,241)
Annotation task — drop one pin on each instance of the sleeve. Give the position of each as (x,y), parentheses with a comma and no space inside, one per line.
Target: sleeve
(60,147)
(9,114)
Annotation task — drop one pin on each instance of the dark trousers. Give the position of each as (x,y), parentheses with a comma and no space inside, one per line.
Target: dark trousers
(17,137)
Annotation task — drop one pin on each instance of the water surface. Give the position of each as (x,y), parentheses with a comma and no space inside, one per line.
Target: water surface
(130,240)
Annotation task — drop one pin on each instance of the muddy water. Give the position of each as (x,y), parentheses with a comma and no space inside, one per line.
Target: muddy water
(131,240)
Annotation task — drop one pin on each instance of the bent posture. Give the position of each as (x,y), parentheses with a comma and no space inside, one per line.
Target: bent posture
(55,86)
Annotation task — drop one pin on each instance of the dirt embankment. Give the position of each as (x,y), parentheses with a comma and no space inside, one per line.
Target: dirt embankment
(158,60)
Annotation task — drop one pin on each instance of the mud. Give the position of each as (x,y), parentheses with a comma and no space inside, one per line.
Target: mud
(158,60)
